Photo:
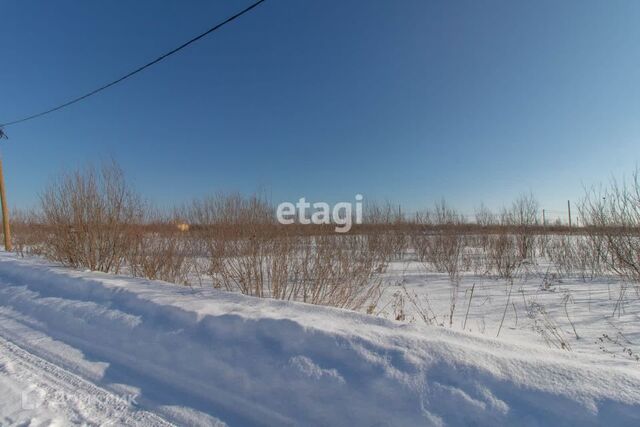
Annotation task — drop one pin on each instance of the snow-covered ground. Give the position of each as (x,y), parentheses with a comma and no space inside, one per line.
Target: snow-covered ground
(539,305)
(81,347)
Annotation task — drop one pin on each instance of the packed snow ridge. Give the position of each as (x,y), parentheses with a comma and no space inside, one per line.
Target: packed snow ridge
(82,347)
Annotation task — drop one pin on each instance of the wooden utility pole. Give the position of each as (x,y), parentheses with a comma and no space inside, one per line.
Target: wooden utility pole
(5,213)
(544,219)
(569,209)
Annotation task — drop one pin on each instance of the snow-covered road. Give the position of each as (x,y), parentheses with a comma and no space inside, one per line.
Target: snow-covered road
(89,348)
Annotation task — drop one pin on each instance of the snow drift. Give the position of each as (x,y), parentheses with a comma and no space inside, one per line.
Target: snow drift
(170,354)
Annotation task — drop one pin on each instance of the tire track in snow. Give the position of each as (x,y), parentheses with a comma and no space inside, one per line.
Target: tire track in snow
(51,387)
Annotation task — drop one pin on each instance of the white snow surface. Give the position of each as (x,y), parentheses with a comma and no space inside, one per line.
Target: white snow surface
(88,348)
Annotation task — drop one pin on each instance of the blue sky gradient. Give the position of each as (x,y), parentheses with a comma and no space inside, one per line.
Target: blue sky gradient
(406,100)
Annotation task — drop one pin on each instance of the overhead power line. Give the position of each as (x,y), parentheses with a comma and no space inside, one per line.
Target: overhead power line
(136,71)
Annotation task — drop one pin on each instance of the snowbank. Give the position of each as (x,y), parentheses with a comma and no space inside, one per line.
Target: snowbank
(199,356)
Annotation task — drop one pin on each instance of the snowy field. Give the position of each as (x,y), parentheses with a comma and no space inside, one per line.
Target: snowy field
(540,305)
(91,348)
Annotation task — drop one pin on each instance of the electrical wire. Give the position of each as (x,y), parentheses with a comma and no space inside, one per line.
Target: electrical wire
(134,72)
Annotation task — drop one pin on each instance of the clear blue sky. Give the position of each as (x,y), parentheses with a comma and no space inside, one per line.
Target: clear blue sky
(402,100)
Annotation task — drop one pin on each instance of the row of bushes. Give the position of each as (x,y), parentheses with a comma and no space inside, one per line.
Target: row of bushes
(93,219)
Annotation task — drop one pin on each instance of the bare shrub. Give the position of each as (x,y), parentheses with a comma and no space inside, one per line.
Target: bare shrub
(161,256)
(485,217)
(89,215)
(523,214)
(589,256)
(28,233)
(502,255)
(258,265)
(612,220)
(258,257)
(386,245)
(381,213)
(340,271)
(441,244)
(228,209)
(561,251)
(543,241)
(326,270)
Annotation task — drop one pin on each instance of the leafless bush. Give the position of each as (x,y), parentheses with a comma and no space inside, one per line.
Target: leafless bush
(228,209)
(523,214)
(341,271)
(442,246)
(386,245)
(89,215)
(589,256)
(543,241)
(382,213)
(442,251)
(577,254)
(485,217)
(561,251)
(502,255)
(259,265)
(612,221)
(29,235)
(161,256)
(327,270)
(260,258)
